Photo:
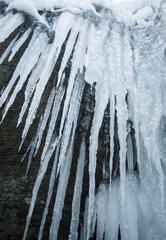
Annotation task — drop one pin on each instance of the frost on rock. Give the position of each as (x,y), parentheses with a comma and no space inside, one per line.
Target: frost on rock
(104,121)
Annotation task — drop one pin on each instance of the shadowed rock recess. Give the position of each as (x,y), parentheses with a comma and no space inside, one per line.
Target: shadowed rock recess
(83,120)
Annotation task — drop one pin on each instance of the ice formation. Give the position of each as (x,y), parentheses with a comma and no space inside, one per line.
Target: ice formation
(116,49)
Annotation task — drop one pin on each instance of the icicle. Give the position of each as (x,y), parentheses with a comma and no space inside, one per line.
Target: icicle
(45,118)
(8,50)
(71,116)
(130,159)
(49,195)
(122,116)
(112,222)
(41,127)
(101,205)
(77,193)
(42,122)
(132,212)
(84,227)
(13,22)
(61,191)
(112,119)
(97,121)
(55,110)
(101,97)
(19,43)
(95,57)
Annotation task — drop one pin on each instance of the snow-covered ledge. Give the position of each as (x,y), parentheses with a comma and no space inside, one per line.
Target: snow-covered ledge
(130,12)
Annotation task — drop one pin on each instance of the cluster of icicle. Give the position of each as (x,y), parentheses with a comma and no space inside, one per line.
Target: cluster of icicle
(128,66)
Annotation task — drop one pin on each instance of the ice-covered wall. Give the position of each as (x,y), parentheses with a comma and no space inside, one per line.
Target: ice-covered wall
(119,49)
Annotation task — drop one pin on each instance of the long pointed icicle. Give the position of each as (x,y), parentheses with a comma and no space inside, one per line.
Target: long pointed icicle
(41,128)
(60,196)
(8,50)
(77,193)
(49,195)
(101,97)
(55,111)
(71,116)
(97,121)
(19,43)
(122,117)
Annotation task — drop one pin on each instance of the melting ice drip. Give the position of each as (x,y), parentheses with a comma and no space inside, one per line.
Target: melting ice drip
(121,48)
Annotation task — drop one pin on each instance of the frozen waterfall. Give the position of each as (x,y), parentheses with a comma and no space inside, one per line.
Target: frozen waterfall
(106,61)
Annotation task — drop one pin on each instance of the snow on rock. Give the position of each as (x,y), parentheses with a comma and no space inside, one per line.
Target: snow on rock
(127,11)
(27,7)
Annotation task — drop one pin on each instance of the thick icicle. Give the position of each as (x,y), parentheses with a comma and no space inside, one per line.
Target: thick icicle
(101,97)
(112,222)
(101,203)
(77,193)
